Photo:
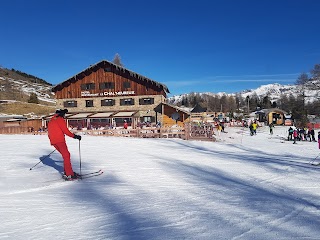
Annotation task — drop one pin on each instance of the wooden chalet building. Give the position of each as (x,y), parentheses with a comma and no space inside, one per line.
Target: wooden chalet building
(273,115)
(106,95)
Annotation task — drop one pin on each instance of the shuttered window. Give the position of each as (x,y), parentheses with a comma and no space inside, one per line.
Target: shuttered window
(71,103)
(107,102)
(146,101)
(89,103)
(106,85)
(126,101)
(126,85)
(88,86)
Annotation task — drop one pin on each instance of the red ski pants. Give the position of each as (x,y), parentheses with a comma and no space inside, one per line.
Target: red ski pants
(63,150)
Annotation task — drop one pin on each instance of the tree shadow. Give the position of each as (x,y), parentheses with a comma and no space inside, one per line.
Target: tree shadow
(122,209)
(256,157)
(264,209)
(266,205)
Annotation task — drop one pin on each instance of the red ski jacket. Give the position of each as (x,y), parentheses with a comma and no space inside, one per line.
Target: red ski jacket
(57,128)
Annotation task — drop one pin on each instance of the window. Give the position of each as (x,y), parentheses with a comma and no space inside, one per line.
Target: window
(89,103)
(146,101)
(146,119)
(107,85)
(99,122)
(107,69)
(120,121)
(87,86)
(107,102)
(71,103)
(126,85)
(127,101)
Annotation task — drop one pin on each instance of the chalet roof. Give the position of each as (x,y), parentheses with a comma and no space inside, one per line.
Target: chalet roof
(198,109)
(268,110)
(175,107)
(101,64)
(86,115)
(4,118)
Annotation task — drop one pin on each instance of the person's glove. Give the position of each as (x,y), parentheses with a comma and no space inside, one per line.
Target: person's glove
(77,137)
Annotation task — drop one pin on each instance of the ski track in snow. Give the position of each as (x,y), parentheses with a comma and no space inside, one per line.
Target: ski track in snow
(241,187)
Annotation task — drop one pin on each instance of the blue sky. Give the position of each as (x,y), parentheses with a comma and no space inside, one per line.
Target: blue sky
(191,46)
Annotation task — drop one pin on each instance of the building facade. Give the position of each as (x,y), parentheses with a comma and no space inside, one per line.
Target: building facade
(106,94)
(273,115)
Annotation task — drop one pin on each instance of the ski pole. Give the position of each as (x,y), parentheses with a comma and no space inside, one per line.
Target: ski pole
(312,161)
(80,157)
(42,159)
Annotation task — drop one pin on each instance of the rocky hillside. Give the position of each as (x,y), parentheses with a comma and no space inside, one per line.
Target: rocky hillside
(15,90)
(17,86)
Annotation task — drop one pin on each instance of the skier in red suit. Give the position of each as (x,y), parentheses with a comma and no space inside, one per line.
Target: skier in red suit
(125,124)
(57,128)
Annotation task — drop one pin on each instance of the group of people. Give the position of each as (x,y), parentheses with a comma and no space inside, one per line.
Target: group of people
(301,134)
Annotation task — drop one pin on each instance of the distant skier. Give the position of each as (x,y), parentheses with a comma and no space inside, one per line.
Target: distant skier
(254,127)
(219,129)
(295,135)
(57,128)
(271,126)
(312,137)
(251,129)
(319,139)
(290,131)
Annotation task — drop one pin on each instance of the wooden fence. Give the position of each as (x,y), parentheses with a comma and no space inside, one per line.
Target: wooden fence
(188,132)
(150,132)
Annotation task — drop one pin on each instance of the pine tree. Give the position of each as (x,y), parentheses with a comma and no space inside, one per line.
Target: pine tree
(316,71)
(302,79)
(33,98)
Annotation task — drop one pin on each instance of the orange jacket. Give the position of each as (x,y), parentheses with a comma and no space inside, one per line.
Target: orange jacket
(57,128)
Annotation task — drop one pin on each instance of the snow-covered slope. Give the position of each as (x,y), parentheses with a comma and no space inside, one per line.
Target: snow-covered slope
(243,187)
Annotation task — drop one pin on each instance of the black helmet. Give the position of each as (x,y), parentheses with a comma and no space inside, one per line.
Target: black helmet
(61,112)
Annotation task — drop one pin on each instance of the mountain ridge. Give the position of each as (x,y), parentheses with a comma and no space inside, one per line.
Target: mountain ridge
(18,86)
(272,90)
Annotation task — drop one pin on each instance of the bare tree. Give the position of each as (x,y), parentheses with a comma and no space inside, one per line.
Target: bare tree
(302,79)
(316,71)
(232,104)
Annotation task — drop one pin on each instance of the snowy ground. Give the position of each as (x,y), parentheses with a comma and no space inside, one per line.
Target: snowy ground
(243,187)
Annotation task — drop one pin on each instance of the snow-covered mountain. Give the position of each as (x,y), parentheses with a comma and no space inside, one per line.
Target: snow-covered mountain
(273,91)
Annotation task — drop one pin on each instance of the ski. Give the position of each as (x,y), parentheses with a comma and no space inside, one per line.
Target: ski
(315,164)
(85,175)
(90,173)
